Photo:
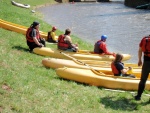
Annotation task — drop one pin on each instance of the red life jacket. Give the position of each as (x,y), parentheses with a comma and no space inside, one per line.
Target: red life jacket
(62,43)
(114,69)
(146,46)
(29,38)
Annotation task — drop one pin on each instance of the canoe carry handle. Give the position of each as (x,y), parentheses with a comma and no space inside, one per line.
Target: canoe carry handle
(76,60)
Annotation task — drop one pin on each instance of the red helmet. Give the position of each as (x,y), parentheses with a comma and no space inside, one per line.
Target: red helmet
(54,28)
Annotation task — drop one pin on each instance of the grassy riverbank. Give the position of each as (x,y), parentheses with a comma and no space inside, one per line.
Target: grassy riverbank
(27,86)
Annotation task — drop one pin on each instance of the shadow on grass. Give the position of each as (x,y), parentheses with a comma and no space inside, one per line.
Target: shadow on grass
(122,103)
(114,102)
(20,48)
(71,81)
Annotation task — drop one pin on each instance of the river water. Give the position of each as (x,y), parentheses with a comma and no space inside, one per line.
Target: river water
(124,26)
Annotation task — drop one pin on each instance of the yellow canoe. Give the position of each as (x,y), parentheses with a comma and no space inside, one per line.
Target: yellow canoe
(57,63)
(18,28)
(60,63)
(98,79)
(82,55)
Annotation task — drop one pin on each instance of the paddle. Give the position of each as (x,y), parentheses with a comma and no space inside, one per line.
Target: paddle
(76,60)
(121,91)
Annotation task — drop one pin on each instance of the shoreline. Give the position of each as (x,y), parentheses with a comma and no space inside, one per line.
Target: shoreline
(47,4)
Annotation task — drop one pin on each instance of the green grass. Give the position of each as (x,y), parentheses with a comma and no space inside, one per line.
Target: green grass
(30,87)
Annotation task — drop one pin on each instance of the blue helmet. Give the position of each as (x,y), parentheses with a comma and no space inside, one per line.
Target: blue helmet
(103,37)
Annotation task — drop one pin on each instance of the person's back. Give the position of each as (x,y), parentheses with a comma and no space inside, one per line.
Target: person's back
(101,48)
(62,44)
(65,42)
(51,37)
(97,48)
(116,68)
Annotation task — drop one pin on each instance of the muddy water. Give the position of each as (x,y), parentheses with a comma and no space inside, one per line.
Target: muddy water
(124,26)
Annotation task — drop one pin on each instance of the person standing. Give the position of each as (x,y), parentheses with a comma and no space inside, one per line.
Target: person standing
(52,35)
(100,46)
(33,37)
(144,48)
(65,42)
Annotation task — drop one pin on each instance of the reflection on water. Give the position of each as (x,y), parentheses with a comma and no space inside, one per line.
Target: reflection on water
(124,26)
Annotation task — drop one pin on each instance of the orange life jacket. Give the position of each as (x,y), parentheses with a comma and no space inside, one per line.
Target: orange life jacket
(114,69)
(146,46)
(62,43)
(29,38)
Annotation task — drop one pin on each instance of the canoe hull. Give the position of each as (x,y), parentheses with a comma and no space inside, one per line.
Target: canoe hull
(55,53)
(88,77)
(60,63)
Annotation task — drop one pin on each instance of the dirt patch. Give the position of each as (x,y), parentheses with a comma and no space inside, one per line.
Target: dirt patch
(6,87)
(1,109)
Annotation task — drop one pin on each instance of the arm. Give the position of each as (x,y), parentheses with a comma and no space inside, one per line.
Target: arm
(124,71)
(33,34)
(120,66)
(71,45)
(68,40)
(105,50)
(36,41)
